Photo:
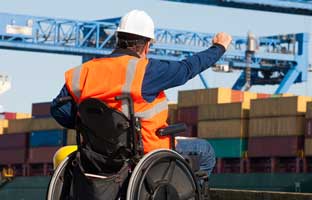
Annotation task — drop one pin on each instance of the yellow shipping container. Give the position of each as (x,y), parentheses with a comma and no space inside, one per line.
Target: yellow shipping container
(29,125)
(248,96)
(281,106)
(204,96)
(223,129)
(277,126)
(23,115)
(223,111)
(3,125)
(308,146)
(309,110)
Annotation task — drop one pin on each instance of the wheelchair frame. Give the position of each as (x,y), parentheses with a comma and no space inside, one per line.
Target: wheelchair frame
(160,189)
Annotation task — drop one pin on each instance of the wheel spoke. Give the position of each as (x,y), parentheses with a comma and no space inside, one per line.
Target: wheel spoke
(149,184)
(169,172)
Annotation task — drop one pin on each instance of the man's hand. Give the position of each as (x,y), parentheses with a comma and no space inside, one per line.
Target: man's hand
(223,39)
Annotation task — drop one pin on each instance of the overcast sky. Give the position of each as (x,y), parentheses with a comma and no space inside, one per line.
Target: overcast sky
(38,77)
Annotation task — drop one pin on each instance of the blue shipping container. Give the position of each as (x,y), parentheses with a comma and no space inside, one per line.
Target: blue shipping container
(47,138)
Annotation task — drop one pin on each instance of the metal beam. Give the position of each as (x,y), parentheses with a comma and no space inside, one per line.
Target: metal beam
(288,80)
(203,80)
(281,6)
(240,82)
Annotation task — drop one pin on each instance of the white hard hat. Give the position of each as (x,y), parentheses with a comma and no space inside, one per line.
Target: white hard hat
(137,22)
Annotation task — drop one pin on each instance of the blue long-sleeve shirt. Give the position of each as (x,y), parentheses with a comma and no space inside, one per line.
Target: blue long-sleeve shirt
(159,75)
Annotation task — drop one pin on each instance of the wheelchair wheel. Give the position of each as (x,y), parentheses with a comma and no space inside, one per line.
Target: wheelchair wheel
(163,174)
(56,182)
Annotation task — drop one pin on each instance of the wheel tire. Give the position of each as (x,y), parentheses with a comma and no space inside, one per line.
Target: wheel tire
(56,182)
(163,174)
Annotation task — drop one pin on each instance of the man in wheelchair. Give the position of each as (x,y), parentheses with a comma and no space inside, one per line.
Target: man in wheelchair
(118,106)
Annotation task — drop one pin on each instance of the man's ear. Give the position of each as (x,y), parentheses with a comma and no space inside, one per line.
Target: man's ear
(147,46)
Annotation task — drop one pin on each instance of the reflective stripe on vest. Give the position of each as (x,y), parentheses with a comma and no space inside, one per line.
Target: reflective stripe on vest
(127,87)
(76,81)
(159,107)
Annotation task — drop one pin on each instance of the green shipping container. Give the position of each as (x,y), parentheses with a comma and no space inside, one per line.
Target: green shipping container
(25,188)
(284,182)
(229,148)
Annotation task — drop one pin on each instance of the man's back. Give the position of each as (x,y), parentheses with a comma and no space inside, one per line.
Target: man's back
(103,78)
(107,78)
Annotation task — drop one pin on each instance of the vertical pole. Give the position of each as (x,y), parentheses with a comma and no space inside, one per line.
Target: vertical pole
(242,165)
(248,165)
(219,165)
(273,164)
(45,169)
(248,71)
(250,50)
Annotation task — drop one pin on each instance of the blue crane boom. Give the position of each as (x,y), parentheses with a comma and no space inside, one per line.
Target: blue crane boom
(280,59)
(299,7)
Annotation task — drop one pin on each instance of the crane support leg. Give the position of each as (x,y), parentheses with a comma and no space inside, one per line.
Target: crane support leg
(287,81)
(203,80)
(241,81)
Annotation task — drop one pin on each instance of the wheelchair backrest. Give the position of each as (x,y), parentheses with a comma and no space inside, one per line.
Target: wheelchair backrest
(103,128)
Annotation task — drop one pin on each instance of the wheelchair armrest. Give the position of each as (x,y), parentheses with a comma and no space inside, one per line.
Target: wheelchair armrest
(171,130)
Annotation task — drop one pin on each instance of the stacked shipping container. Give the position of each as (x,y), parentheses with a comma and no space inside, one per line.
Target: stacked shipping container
(13,148)
(273,131)
(276,131)
(189,102)
(276,126)
(32,142)
(272,128)
(226,128)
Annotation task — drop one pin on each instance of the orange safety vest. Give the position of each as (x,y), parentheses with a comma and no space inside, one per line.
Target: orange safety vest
(107,78)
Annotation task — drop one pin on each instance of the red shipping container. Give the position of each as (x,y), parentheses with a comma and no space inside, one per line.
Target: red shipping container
(41,154)
(237,96)
(309,128)
(8,115)
(41,109)
(12,156)
(279,146)
(263,96)
(188,115)
(11,141)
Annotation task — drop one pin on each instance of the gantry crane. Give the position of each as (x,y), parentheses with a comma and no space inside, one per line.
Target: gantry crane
(279,59)
(298,7)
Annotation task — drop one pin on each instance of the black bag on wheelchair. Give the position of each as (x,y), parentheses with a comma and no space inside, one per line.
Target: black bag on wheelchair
(99,169)
(84,185)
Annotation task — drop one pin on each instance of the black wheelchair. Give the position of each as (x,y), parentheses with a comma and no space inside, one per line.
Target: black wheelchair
(110,164)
